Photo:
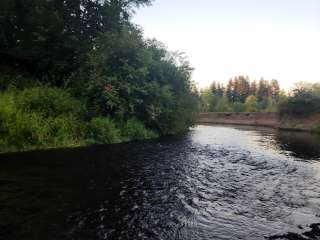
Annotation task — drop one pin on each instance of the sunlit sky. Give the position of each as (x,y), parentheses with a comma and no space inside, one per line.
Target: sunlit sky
(277,39)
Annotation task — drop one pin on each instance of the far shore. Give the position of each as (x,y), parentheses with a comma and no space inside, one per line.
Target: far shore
(263,119)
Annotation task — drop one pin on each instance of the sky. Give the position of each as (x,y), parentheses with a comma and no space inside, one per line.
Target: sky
(273,39)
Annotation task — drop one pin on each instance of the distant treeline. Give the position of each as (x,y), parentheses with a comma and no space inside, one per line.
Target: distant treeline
(77,72)
(241,94)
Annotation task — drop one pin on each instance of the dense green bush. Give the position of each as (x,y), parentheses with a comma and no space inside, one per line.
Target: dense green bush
(10,79)
(305,100)
(102,130)
(24,125)
(127,77)
(238,107)
(49,101)
(44,117)
(301,105)
(135,130)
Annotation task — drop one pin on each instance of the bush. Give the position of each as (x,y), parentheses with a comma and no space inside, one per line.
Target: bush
(24,127)
(67,131)
(24,131)
(301,104)
(51,102)
(305,100)
(11,80)
(135,130)
(238,107)
(102,131)
(251,104)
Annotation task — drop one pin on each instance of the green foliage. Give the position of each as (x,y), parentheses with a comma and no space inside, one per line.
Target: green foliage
(135,130)
(9,79)
(128,77)
(102,130)
(22,128)
(305,100)
(238,107)
(74,67)
(51,38)
(271,106)
(50,102)
(207,100)
(251,104)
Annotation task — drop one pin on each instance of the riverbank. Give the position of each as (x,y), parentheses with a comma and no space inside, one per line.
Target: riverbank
(265,119)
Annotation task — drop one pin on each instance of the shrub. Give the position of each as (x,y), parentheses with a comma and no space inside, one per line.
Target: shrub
(7,109)
(11,80)
(305,100)
(251,104)
(51,102)
(102,130)
(135,130)
(238,107)
(67,131)
(301,105)
(25,127)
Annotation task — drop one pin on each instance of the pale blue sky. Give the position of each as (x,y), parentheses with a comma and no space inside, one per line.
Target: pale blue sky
(260,38)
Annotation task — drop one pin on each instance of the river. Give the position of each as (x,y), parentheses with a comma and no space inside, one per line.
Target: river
(216,182)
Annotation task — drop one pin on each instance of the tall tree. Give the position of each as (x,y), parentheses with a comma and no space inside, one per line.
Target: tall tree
(50,38)
(253,88)
(275,89)
(220,90)
(213,88)
(230,92)
(263,90)
(242,88)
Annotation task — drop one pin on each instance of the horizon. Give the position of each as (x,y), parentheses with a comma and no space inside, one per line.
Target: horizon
(270,40)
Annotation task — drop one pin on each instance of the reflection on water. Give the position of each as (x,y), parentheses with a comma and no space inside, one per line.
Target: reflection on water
(300,144)
(215,183)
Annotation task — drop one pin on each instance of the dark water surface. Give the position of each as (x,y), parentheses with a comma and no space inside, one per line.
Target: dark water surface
(216,182)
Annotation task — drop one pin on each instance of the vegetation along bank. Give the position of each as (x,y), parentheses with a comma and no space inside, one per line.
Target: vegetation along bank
(75,73)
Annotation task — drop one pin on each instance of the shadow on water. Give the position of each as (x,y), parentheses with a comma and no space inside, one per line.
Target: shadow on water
(214,183)
(299,144)
(302,145)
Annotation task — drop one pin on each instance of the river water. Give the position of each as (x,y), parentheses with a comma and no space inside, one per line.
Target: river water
(216,182)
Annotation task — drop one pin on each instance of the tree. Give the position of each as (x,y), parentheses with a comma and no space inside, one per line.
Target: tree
(230,92)
(213,87)
(304,100)
(253,88)
(274,90)
(207,100)
(50,38)
(242,88)
(220,90)
(127,77)
(263,90)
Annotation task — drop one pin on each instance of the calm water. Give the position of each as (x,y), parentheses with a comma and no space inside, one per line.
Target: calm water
(214,183)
